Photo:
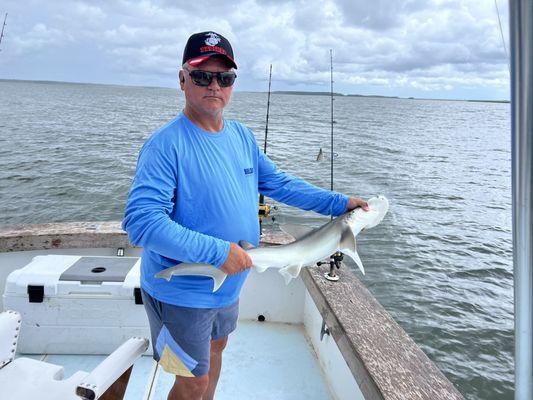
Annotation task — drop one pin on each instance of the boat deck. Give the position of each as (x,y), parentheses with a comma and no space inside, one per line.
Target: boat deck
(262,360)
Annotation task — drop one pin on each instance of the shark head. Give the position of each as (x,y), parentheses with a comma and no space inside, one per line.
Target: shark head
(359,219)
(356,221)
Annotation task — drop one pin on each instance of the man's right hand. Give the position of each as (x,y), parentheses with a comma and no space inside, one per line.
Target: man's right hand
(237,260)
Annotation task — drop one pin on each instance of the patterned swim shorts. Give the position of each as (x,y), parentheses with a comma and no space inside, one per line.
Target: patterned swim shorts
(181,336)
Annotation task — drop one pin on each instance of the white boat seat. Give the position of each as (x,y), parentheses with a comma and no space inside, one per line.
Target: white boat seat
(9,333)
(29,379)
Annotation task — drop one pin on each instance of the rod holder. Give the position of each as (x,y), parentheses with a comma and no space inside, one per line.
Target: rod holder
(335,263)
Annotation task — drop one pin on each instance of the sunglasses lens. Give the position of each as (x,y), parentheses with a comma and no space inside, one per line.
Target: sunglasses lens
(204,78)
(201,78)
(226,79)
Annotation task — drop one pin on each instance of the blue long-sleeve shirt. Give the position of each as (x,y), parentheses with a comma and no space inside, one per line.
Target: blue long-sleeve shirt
(193,193)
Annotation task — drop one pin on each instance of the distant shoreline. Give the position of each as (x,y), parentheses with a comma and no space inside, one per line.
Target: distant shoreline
(45,82)
(335,94)
(282,92)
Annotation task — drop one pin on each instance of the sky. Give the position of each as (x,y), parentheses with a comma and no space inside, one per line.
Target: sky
(450,49)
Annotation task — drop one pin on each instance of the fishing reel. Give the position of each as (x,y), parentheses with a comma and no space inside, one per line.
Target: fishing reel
(335,262)
(264,211)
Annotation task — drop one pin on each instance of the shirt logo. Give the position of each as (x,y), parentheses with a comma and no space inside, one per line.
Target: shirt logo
(212,39)
(248,171)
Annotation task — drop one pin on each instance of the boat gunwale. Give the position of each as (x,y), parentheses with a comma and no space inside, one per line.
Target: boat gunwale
(71,235)
(386,363)
(384,360)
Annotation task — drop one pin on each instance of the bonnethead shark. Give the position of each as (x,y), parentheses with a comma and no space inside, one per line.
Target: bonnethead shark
(311,245)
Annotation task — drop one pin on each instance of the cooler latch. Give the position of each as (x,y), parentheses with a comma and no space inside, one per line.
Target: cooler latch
(35,293)
(137,295)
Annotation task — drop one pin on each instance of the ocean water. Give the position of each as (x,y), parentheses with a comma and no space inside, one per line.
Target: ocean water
(441,261)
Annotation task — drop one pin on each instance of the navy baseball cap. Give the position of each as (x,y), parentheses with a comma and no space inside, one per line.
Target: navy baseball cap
(204,45)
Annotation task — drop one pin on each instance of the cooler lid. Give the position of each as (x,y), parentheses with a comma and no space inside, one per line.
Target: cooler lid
(99,269)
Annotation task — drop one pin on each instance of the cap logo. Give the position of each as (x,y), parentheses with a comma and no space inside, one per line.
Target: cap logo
(212,39)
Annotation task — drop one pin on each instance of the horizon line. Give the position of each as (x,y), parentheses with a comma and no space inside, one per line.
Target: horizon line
(288,92)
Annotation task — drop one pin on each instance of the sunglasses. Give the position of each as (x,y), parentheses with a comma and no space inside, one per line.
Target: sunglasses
(204,78)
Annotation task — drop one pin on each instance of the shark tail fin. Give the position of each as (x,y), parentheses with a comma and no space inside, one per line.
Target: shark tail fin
(164,274)
(348,247)
(191,269)
(246,245)
(218,280)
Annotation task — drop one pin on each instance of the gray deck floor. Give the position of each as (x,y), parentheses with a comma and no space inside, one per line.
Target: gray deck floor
(262,361)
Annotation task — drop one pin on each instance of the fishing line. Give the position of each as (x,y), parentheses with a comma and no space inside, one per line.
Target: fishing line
(501,34)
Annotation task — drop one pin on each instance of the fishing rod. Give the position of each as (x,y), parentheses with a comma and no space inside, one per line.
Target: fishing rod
(335,261)
(2,33)
(331,75)
(264,209)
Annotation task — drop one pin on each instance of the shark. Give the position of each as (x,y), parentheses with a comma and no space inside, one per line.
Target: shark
(320,156)
(310,246)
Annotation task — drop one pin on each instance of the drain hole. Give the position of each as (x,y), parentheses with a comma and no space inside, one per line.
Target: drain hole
(97,270)
(261,318)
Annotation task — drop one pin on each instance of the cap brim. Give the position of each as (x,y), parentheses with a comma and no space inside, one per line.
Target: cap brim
(196,61)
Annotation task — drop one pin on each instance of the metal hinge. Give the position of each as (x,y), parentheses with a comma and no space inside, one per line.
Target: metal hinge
(324,330)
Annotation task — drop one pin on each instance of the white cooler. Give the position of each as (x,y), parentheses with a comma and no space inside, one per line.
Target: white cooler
(77,304)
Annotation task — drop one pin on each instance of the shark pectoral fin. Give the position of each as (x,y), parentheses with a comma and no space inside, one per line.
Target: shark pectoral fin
(355,256)
(348,247)
(290,272)
(246,245)
(347,241)
(296,231)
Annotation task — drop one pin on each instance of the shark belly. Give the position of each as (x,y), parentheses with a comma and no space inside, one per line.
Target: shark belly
(290,258)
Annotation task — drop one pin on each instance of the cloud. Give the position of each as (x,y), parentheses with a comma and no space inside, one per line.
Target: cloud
(379,14)
(432,43)
(39,37)
(90,12)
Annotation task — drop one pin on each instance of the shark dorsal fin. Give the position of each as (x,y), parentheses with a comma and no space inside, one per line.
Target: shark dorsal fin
(348,247)
(296,231)
(246,245)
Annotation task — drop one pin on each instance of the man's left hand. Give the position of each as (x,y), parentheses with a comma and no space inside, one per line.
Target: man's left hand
(355,202)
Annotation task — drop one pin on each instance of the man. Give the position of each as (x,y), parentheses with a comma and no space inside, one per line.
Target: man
(194,196)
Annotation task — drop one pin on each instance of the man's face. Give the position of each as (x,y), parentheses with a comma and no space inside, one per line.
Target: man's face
(206,100)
